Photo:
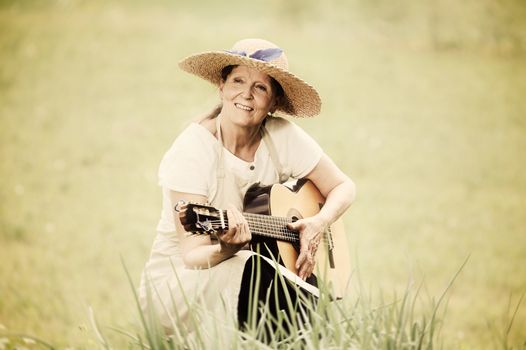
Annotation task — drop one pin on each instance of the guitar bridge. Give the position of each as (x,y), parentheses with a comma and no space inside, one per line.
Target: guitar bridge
(327,236)
(330,247)
(222,220)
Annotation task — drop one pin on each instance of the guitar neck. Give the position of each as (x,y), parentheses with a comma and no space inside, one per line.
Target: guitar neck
(269,226)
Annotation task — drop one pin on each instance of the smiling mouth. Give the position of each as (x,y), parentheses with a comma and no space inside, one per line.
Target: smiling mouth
(243,107)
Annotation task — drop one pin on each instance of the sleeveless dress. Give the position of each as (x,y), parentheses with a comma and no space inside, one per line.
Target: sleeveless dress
(198,163)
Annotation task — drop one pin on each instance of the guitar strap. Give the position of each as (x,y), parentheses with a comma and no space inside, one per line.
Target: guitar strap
(283,177)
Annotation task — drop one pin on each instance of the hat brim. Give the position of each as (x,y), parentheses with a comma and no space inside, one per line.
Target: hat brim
(301,99)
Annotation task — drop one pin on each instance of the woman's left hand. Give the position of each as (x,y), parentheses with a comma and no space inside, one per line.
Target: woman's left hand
(311,232)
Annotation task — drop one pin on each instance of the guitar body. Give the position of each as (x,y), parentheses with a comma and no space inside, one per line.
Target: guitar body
(303,200)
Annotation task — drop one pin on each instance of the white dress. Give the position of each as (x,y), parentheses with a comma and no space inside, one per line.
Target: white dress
(191,165)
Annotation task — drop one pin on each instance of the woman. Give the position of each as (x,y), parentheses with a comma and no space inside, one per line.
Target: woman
(215,161)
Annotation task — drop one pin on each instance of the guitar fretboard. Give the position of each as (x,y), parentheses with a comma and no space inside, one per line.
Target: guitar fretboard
(269,226)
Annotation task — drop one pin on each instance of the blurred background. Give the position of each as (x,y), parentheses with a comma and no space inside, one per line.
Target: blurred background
(423,106)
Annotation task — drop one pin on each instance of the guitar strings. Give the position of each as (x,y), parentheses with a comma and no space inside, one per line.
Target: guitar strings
(280,223)
(265,229)
(272,226)
(265,225)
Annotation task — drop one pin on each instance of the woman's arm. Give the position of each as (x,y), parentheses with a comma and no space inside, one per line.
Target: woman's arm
(337,188)
(339,191)
(198,250)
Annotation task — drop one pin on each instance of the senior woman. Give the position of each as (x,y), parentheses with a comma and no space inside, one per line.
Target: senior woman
(215,160)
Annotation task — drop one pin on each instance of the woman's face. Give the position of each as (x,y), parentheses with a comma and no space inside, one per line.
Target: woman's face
(247,96)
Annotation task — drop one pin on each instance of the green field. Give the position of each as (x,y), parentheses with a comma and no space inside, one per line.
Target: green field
(427,114)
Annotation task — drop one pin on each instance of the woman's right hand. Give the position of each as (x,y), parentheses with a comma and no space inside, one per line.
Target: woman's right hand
(237,235)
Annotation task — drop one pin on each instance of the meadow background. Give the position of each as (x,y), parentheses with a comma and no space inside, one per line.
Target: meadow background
(424,106)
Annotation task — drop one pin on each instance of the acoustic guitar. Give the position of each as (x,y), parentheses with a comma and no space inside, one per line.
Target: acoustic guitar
(268,210)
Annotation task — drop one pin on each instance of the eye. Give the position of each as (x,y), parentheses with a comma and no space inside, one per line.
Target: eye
(261,87)
(237,80)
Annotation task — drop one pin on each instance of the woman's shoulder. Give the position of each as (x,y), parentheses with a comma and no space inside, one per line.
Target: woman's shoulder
(278,124)
(195,135)
(284,131)
(275,121)
(281,127)
(194,144)
(209,125)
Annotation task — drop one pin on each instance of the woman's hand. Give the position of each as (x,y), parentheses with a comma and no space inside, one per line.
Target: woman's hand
(311,232)
(238,234)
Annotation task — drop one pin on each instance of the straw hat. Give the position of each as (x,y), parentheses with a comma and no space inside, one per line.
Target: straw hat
(301,99)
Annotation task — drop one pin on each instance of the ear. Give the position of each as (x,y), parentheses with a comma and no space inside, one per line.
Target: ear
(221,86)
(275,104)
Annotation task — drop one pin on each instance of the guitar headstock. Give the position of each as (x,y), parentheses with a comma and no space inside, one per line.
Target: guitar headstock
(200,218)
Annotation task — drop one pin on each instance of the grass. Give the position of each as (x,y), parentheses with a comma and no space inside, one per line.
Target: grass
(90,98)
(350,323)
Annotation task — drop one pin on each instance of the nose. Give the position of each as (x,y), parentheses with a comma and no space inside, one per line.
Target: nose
(247,92)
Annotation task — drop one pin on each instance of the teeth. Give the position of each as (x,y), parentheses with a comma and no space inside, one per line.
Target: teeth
(245,108)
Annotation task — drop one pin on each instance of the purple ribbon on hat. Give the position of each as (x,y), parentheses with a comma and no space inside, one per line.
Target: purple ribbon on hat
(265,55)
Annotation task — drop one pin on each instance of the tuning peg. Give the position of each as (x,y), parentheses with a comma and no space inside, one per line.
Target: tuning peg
(179,206)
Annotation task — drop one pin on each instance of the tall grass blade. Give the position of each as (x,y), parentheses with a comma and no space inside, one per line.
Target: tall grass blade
(96,328)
